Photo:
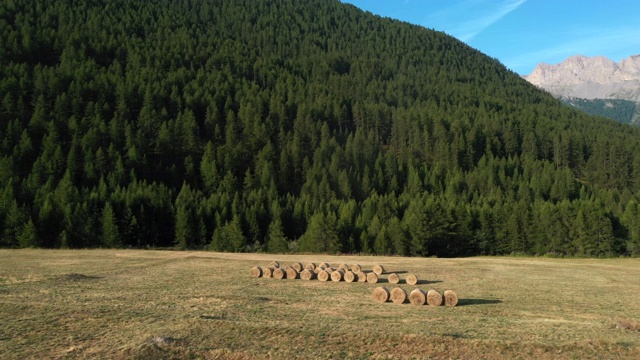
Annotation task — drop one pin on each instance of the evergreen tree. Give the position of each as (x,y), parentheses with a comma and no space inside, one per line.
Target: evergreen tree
(277,242)
(110,232)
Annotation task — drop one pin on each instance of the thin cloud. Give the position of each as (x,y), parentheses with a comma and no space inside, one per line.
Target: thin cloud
(471,17)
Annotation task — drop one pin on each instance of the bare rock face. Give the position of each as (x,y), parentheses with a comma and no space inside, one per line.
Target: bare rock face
(590,78)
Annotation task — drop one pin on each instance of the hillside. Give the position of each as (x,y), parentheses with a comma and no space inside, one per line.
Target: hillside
(596,85)
(624,111)
(292,126)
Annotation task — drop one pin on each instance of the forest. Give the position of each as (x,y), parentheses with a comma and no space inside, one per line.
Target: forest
(624,111)
(292,126)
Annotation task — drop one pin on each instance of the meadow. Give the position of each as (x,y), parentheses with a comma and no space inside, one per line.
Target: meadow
(170,304)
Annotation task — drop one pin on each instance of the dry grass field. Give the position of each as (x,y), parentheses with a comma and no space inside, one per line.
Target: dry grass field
(162,304)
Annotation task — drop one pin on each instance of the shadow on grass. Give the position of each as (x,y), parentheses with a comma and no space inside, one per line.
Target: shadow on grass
(467,302)
(427,282)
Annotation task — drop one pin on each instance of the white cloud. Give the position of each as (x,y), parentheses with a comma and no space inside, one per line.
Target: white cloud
(469,18)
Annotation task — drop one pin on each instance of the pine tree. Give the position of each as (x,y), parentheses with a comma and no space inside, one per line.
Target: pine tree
(28,236)
(110,232)
(276,241)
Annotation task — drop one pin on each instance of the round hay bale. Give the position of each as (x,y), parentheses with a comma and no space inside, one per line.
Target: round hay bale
(372,278)
(272,268)
(362,276)
(256,271)
(343,267)
(298,266)
(350,276)
(356,268)
(417,297)
(310,266)
(279,274)
(307,274)
(450,298)
(378,269)
(292,273)
(267,272)
(398,295)
(323,275)
(381,294)
(318,269)
(324,265)
(434,298)
(330,269)
(337,275)
(275,264)
(411,279)
(394,278)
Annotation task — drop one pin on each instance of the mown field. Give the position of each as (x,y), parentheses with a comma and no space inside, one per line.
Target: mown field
(162,304)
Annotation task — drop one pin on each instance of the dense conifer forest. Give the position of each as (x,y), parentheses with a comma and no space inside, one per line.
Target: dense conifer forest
(624,111)
(284,125)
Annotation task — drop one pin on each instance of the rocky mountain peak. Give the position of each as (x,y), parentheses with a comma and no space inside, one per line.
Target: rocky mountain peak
(590,78)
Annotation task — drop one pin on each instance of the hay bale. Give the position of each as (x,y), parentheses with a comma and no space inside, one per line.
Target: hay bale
(298,266)
(323,275)
(378,269)
(394,278)
(381,294)
(411,279)
(343,267)
(337,275)
(434,298)
(350,276)
(356,268)
(417,297)
(362,276)
(324,265)
(279,274)
(275,264)
(292,273)
(372,278)
(398,295)
(307,274)
(256,271)
(267,272)
(310,266)
(318,269)
(450,298)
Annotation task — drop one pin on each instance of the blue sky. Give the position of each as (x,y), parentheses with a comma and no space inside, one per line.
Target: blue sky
(523,33)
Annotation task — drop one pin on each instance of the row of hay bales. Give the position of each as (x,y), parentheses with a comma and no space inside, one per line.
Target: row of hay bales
(325,272)
(416,297)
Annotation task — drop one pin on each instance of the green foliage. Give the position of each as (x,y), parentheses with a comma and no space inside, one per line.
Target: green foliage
(229,237)
(321,235)
(623,111)
(110,233)
(243,125)
(277,242)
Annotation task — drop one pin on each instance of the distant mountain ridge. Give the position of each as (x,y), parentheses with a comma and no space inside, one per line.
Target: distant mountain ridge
(590,78)
(587,82)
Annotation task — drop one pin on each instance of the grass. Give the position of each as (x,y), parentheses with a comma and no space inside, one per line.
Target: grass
(163,304)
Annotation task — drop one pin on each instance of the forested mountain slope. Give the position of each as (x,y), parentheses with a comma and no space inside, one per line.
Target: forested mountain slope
(624,111)
(255,125)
